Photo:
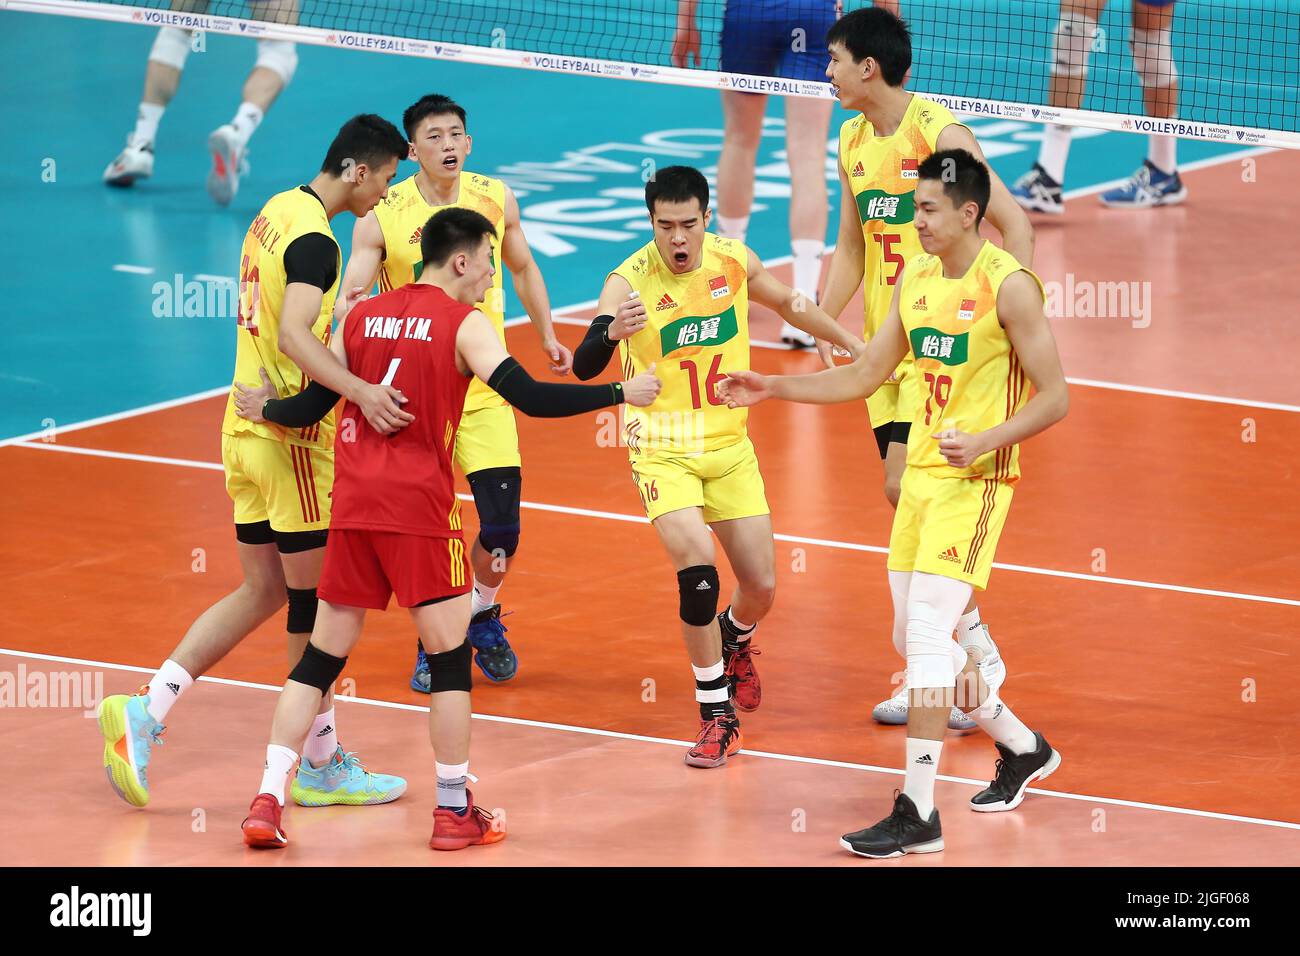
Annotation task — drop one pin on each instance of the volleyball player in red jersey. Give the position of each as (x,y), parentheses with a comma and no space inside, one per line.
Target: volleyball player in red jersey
(396,519)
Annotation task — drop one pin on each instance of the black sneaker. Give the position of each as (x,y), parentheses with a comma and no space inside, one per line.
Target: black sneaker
(1014,774)
(903,831)
(1036,191)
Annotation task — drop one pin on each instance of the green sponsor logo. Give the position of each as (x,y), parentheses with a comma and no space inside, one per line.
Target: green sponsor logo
(877,204)
(933,344)
(694,330)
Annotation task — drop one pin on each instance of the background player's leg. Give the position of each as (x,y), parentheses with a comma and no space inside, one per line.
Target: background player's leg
(277,60)
(895,464)
(1157,183)
(742,121)
(1072,41)
(807,125)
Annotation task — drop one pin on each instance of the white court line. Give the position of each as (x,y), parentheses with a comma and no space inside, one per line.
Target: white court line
(134,270)
(118,416)
(789,538)
(641,738)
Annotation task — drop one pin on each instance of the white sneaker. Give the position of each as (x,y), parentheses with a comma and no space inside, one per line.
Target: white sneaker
(894,713)
(134,162)
(796,338)
(229,163)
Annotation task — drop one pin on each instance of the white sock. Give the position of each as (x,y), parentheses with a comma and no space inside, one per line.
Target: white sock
(807,265)
(746,630)
(322,739)
(1162,152)
(279,764)
(484,597)
(146,122)
(1055,151)
(996,719)
(246,121)
(166,687)
(922,768)
(733,227)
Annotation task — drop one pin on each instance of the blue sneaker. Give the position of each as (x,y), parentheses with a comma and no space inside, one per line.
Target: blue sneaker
(1146,188)
(1036,191)
(492,651)
(343,780)
(130,733)
(420,679)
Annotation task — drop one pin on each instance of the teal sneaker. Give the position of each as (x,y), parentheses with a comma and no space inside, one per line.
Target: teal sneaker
(130,733)
(343,780)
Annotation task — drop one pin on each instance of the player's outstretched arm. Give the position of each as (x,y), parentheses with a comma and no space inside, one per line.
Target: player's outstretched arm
(845,383)
(362,270)
(478,350)
(619,314)
(848,261)
(1020,307)
(297,411)
(1003,212)
(800,311)
(530,287)
(686,39)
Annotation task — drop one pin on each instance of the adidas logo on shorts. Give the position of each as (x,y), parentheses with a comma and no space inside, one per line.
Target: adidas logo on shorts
(951,555)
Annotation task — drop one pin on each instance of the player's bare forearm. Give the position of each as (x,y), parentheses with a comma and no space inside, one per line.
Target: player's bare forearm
(1040,413)
(363,262)
(531,289)
(312,356)
(829,387)
(803,313)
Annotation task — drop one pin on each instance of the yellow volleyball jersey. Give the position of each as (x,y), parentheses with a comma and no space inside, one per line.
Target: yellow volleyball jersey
(402,216)
(697,330)
(284,218)
(882,172)
(968,375)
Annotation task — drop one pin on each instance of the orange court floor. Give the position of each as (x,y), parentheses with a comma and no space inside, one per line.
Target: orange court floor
(1145,599)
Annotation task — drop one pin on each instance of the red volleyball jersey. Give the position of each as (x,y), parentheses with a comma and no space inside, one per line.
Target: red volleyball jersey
(402,482)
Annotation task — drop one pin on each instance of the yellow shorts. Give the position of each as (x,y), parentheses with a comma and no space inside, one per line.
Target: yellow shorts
(893,401)
(725,482)
(287,485)
(948,526)
(487,438)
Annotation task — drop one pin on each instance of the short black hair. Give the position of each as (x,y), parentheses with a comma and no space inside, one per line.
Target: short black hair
(432,104)
(677,184)
(875,32)
(365,139)
(965,179)
(452,230)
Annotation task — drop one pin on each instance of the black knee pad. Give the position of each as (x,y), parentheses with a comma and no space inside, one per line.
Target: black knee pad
(317,669)
(296,542)
(450,670)
(496,498)
(302,610)
(697,589)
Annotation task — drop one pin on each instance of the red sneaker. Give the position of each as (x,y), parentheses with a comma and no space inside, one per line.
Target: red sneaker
(262,825)
(719,738)
(746,689)
(476,827)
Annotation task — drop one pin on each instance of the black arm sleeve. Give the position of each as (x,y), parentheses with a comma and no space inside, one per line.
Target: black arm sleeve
(596,348)
(306,408)
(550,399)
(314,259)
